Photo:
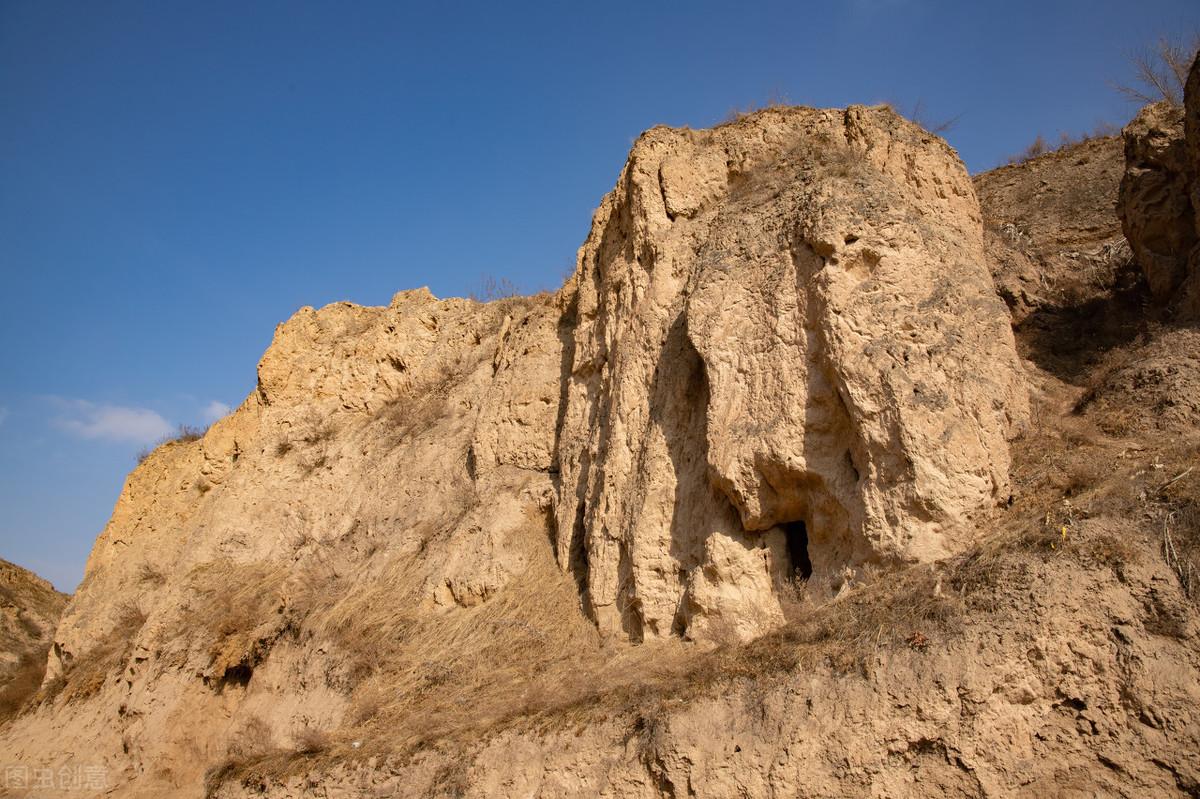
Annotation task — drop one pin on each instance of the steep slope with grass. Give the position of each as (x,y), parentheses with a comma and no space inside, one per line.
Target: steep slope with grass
(734,513)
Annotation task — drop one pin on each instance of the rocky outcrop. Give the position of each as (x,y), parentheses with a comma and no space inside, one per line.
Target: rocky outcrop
(788,356)
(1158,197)
(780,358)
(391,473)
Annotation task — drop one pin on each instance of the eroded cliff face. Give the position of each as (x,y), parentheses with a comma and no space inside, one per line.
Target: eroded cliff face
(788,358)
(780,357)
(389,478)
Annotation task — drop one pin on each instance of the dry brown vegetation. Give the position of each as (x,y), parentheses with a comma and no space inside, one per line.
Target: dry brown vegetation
(185,434)
(86,674)
(235,629)
(1041,146)
(416,680)
(492,288)
(149,575)
(1160,71)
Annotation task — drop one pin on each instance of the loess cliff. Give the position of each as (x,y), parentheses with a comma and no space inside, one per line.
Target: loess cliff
(829,472)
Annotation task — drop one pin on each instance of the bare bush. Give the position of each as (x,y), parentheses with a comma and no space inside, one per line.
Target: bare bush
(148,574)
(1037,147)
(311,741)
(184,435)
(918,114)
(491,288)
(1160,71)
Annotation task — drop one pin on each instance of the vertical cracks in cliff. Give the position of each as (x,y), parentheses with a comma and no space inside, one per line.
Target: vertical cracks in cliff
(575,550)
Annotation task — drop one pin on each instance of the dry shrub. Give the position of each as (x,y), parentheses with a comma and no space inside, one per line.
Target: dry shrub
(1036,148)
(491,289)
(250,742)
(1181,545)
(149,574)
(1160,72)
(919,115)
(184,435)
(311,741)
(316,430)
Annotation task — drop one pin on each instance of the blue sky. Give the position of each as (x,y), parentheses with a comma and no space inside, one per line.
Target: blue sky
(176,178)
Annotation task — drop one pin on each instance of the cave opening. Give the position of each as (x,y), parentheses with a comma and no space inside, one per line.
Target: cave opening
(796,538)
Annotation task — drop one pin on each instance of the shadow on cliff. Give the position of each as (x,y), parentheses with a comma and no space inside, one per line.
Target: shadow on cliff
(1069,339)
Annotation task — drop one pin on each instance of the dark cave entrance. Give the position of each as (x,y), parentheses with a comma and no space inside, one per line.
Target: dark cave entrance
(796,538)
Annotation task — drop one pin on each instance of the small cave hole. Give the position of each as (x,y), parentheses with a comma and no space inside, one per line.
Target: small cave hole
(796,538)
(238,675)
(850,238)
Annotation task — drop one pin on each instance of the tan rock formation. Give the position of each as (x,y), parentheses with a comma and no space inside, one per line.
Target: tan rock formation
(787,341)
(780,351)
(1158,195)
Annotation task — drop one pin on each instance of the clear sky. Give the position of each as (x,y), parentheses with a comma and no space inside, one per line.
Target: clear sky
(176,178)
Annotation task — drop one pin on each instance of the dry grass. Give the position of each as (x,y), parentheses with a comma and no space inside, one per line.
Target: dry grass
(736,114)
(316,430)
(85,675)
(250,742)
(150,575)
(238,612)
(311,741)
(451,680)
(184,435)
(423,403)
(1040,146)
(313,433)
